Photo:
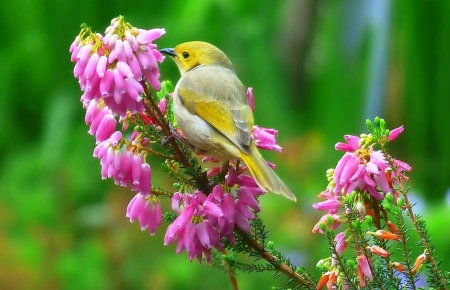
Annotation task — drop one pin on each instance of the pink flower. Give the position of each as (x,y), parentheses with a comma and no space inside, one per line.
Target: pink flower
(362,168)
(106,128)
(195,229)
(162,105)
(341,243)
(203,220)
(125,167)
(395,133)
(147,210)
(331,205)
(351,145)
(265,138)
(112,66)
(363,270)
(251,101)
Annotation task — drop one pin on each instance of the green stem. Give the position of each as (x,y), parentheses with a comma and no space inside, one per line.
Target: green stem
(439,279)
(338,258)
(231,272)
(282,267)
(402,234)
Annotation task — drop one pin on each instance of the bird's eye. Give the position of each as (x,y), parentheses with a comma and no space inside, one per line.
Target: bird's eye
(185,54)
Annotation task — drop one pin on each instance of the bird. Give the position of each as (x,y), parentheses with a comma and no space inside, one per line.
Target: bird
(212,110)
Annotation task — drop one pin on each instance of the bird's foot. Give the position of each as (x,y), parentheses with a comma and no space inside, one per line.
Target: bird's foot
(175,135)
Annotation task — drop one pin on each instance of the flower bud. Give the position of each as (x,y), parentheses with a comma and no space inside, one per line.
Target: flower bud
(379,251)
(392,227)
(382,234)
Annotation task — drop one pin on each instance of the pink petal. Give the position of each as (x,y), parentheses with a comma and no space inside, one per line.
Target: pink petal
(101,66)
(244,210)
(242,222)
(118,48)
(353,141)
(124,69)
(91,111)
(350,168)
(212,209)
(153,80)
(119,82)
(395,133)
(231,178)
(125,165)
(91,65)
(106,128)
(202,233)
(130,205)
(150,35)
(106,83)
(136,168)
(251,101)
(115,138)
(97,120)
(84,53)
(246,197)
(127,49)
(110,155)
(137,207)
(145,180)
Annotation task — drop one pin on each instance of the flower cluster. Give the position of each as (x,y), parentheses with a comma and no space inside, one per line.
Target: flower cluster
(112,66)
(364,169)
(112,71)
(204,220)
(367,176)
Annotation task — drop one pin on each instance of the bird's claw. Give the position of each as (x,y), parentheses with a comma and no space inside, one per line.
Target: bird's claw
(175,135)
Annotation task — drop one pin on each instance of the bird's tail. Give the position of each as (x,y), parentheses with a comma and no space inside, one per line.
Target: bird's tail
(264,176)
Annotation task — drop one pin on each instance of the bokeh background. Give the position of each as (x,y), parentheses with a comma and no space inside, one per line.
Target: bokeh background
(319,69)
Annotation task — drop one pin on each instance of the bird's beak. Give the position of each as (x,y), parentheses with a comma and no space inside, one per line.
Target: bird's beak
(168,51)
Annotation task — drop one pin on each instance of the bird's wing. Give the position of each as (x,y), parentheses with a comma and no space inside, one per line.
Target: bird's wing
(223,102)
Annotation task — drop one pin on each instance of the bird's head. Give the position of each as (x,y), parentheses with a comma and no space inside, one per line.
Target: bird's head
(190,55)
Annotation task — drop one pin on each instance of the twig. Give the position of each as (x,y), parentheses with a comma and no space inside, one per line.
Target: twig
(282,267)
(360,247)
(344,269)
(424,242)
(230,272)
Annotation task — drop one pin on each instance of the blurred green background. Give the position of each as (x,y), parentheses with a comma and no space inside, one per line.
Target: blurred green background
(319,69)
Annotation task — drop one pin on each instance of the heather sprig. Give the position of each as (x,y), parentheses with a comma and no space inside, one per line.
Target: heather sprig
(368,206)
(214,212)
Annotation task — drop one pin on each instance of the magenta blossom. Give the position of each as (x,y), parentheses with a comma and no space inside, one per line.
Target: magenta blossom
(341,243)
(363,270)
(196,228)
(360,168)
(332,205)
(111,67)
(203,220)
(146,209)
(251,100)
(125,167)
(365,169)
(265,138)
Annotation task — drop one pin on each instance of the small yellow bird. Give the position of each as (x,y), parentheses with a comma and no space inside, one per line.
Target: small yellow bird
(212,110)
